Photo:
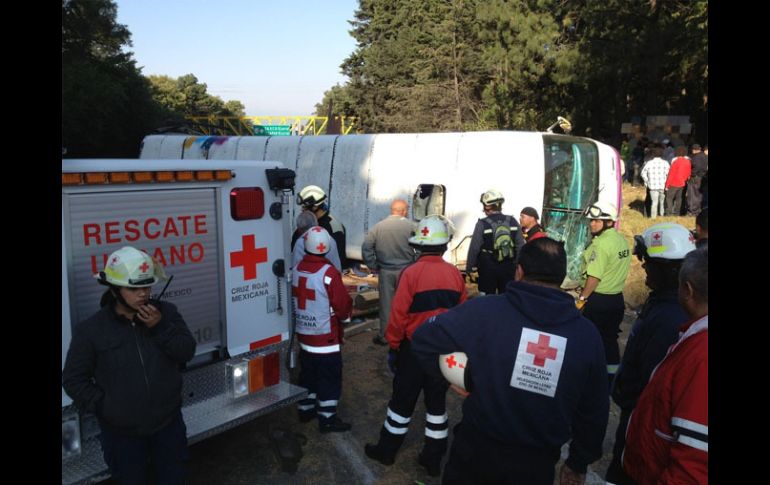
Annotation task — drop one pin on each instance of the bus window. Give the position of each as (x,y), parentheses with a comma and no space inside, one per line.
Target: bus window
(428,199)
(571,181)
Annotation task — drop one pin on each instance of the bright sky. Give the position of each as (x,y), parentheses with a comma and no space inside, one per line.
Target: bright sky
(277,57)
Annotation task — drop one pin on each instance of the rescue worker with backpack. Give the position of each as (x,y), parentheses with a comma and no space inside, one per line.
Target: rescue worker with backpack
(313,198)
(425,288)
(495,246)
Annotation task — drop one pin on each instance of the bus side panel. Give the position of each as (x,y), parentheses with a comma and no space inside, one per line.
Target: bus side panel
(252,148)
(151,146)
(348,195)
(609,175)
(511,162)
(225,148)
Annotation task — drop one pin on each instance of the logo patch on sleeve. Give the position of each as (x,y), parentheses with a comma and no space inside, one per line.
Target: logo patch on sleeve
(538,362)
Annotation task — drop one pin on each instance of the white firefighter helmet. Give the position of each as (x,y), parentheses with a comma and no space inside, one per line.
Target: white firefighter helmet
(492,197)
(433,230)
(454,368)
(665,240)
(317,241)
(311,196)
(602,210)
(131,268)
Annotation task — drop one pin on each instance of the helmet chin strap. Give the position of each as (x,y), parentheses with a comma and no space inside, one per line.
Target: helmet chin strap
(119,297)
(605,226)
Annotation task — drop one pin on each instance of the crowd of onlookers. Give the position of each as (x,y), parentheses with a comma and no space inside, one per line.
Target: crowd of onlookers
(676,180)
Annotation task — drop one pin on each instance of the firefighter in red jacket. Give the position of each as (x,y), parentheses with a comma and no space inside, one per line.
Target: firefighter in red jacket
(320,303)
(427,287)
(667,437)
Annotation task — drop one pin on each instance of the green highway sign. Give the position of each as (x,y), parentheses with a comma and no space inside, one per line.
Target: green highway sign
(272,130)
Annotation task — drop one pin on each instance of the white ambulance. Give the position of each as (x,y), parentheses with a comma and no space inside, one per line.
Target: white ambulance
(221,229)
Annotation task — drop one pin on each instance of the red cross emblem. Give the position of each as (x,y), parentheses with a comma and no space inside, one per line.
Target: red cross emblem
(144,267)
(451,362)
(249,257)
(657,238)
(425,231)
(303,293)
(114,261)
(541,350)
(316,229)
(321,248)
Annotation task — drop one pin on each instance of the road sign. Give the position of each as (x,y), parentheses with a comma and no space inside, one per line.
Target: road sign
(272,130)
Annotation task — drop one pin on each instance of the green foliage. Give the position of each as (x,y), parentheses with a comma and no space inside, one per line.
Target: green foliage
(447,65)
(106,102)
(185,96)
(108,106)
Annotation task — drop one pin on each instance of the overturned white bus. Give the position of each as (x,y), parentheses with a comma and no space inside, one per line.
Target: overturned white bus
(443,173)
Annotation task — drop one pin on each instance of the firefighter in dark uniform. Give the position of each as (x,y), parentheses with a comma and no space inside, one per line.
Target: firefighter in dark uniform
(425,288)
(312,198)
(495,267)
(536,378)
(123,365)
(662,249)
(605,268)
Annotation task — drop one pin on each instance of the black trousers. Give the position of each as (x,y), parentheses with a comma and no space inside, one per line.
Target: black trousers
(407,384)
(493,275)
(321,374)
(128,457)
(615,472)
(477,459)
(606,312)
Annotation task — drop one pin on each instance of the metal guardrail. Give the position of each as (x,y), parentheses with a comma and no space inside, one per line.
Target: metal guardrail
(244,125)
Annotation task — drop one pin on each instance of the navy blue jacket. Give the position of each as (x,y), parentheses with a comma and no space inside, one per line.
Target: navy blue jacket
(489,329)
(126,374)
(656,328)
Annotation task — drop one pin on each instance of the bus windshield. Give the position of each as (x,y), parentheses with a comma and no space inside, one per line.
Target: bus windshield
(571,180)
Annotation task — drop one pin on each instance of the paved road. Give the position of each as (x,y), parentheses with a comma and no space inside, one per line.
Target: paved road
(244,455)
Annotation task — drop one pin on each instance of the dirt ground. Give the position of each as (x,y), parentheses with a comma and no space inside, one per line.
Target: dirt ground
(244,455)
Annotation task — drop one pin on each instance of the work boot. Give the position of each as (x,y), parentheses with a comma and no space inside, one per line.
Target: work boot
(432,466)
(375,452)
(379,340)
(306,416)
(333,425)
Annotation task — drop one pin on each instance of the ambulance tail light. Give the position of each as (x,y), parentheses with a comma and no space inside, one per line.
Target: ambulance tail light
(223,175)
(164,176)
(185,176)
(143,177)
(247,203)
(96,178)
(255,374)
(238,378)
(119,177)
(71,178)
(70,436)
(205,175)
